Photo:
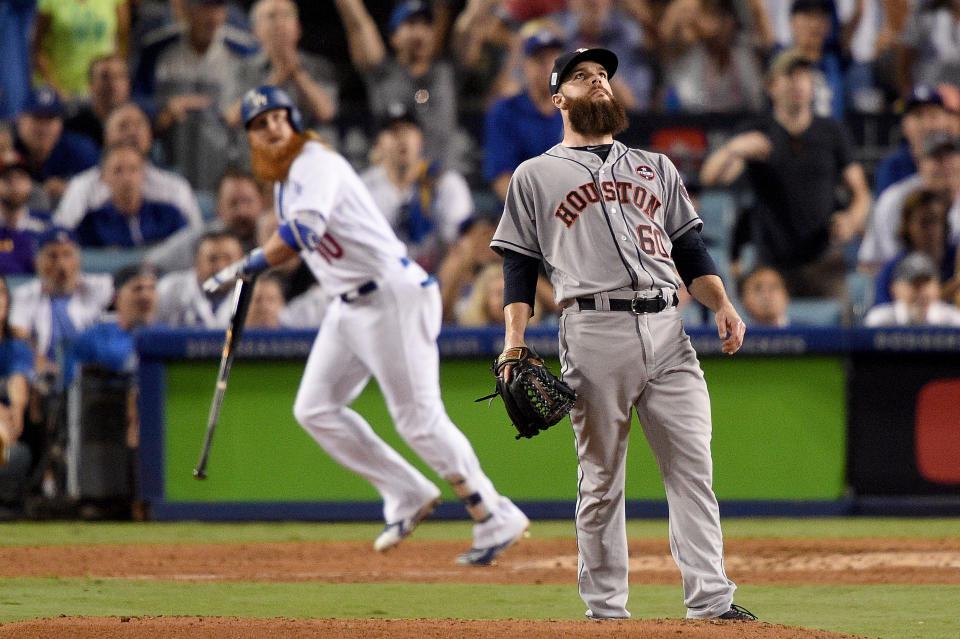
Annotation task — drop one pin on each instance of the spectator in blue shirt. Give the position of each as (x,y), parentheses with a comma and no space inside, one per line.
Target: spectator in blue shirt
(127,219)
(19,225)
(110,342)
(52,154)
(16,21)
(525,125)
(924,113)
(16,369)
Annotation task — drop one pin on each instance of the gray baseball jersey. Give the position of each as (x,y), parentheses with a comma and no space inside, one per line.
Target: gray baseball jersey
(605,229)
(628,208)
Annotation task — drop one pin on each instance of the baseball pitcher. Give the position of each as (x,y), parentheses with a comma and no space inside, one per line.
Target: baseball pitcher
(613,226)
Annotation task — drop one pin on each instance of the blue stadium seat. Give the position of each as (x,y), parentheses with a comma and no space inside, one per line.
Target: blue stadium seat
(109,259)
(815,312)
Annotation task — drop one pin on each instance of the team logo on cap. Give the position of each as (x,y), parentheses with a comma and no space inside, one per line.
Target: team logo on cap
(257,100)
(580,50)
(645,172)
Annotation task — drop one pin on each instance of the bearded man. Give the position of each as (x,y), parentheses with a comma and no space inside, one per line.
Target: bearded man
(613,227)
(382,321)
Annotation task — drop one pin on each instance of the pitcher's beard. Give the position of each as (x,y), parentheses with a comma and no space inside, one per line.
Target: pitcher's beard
(592,117)
(272,164)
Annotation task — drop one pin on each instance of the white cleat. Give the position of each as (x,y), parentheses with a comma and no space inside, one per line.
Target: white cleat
(511,524)
(395,532)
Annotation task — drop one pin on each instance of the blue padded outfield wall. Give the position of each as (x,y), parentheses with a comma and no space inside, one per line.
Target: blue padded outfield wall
(784,423)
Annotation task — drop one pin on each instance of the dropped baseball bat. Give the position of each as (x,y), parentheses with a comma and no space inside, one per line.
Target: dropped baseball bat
(242,293)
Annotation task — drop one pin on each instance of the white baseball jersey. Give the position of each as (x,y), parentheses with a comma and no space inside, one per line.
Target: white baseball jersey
(382,321)
(628,216)
(348,241)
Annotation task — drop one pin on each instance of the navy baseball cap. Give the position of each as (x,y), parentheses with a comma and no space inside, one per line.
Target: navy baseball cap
(409,9)
(55,235)
(923,95)
(43,102)
(542,38)
(566,62)
(398,115)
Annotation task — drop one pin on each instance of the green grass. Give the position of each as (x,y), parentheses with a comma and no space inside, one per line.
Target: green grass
(43,533)
(888,611)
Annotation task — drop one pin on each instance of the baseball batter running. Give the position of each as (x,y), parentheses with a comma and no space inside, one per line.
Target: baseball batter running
(612,226)
(383,320)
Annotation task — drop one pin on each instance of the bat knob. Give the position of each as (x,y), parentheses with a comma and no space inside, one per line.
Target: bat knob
(199,474)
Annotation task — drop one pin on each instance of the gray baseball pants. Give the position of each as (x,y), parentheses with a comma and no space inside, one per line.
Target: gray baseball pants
(616,361)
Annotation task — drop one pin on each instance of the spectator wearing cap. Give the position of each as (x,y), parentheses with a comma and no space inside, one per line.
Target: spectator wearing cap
(795,162)
(16,25)
(190,71)
(938,170)
(718,71)
(61,301)
(916,297)
(109,88)
(310,80)
(52,154)
(525,125)
(181,301)
(69,35)
(240,204)
(414,79)
(923,228)
(127,124)
(19,225)
(929,50)
(127,219)
(600,24)
(110,341)
(423,202)
(924,113)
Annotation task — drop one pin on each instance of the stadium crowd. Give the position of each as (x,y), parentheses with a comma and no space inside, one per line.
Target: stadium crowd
(819,137)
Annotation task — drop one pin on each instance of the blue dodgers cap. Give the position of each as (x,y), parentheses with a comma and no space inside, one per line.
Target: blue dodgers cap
(409,9)
(566,62)
(542,38)
(43,101)
(55,235)
(267,98)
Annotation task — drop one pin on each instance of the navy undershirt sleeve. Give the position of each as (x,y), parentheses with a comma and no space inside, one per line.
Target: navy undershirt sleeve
(691,257)
(519,278)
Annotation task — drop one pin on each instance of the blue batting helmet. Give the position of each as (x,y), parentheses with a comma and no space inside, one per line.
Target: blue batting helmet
(266,98)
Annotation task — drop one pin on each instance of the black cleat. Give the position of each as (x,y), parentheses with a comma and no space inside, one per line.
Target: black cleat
(738,613)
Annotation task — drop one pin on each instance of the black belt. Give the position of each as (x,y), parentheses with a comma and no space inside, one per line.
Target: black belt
(636,305)
(364,289)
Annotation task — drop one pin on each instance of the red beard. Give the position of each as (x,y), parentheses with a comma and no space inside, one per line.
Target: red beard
(596,117)
(272,164)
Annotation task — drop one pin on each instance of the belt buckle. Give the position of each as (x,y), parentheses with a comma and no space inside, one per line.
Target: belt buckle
(638,305)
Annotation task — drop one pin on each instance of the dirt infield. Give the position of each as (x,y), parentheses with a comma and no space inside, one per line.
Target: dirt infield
(754,561)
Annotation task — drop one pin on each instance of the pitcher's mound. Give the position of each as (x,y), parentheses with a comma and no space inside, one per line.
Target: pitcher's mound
(234,628)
